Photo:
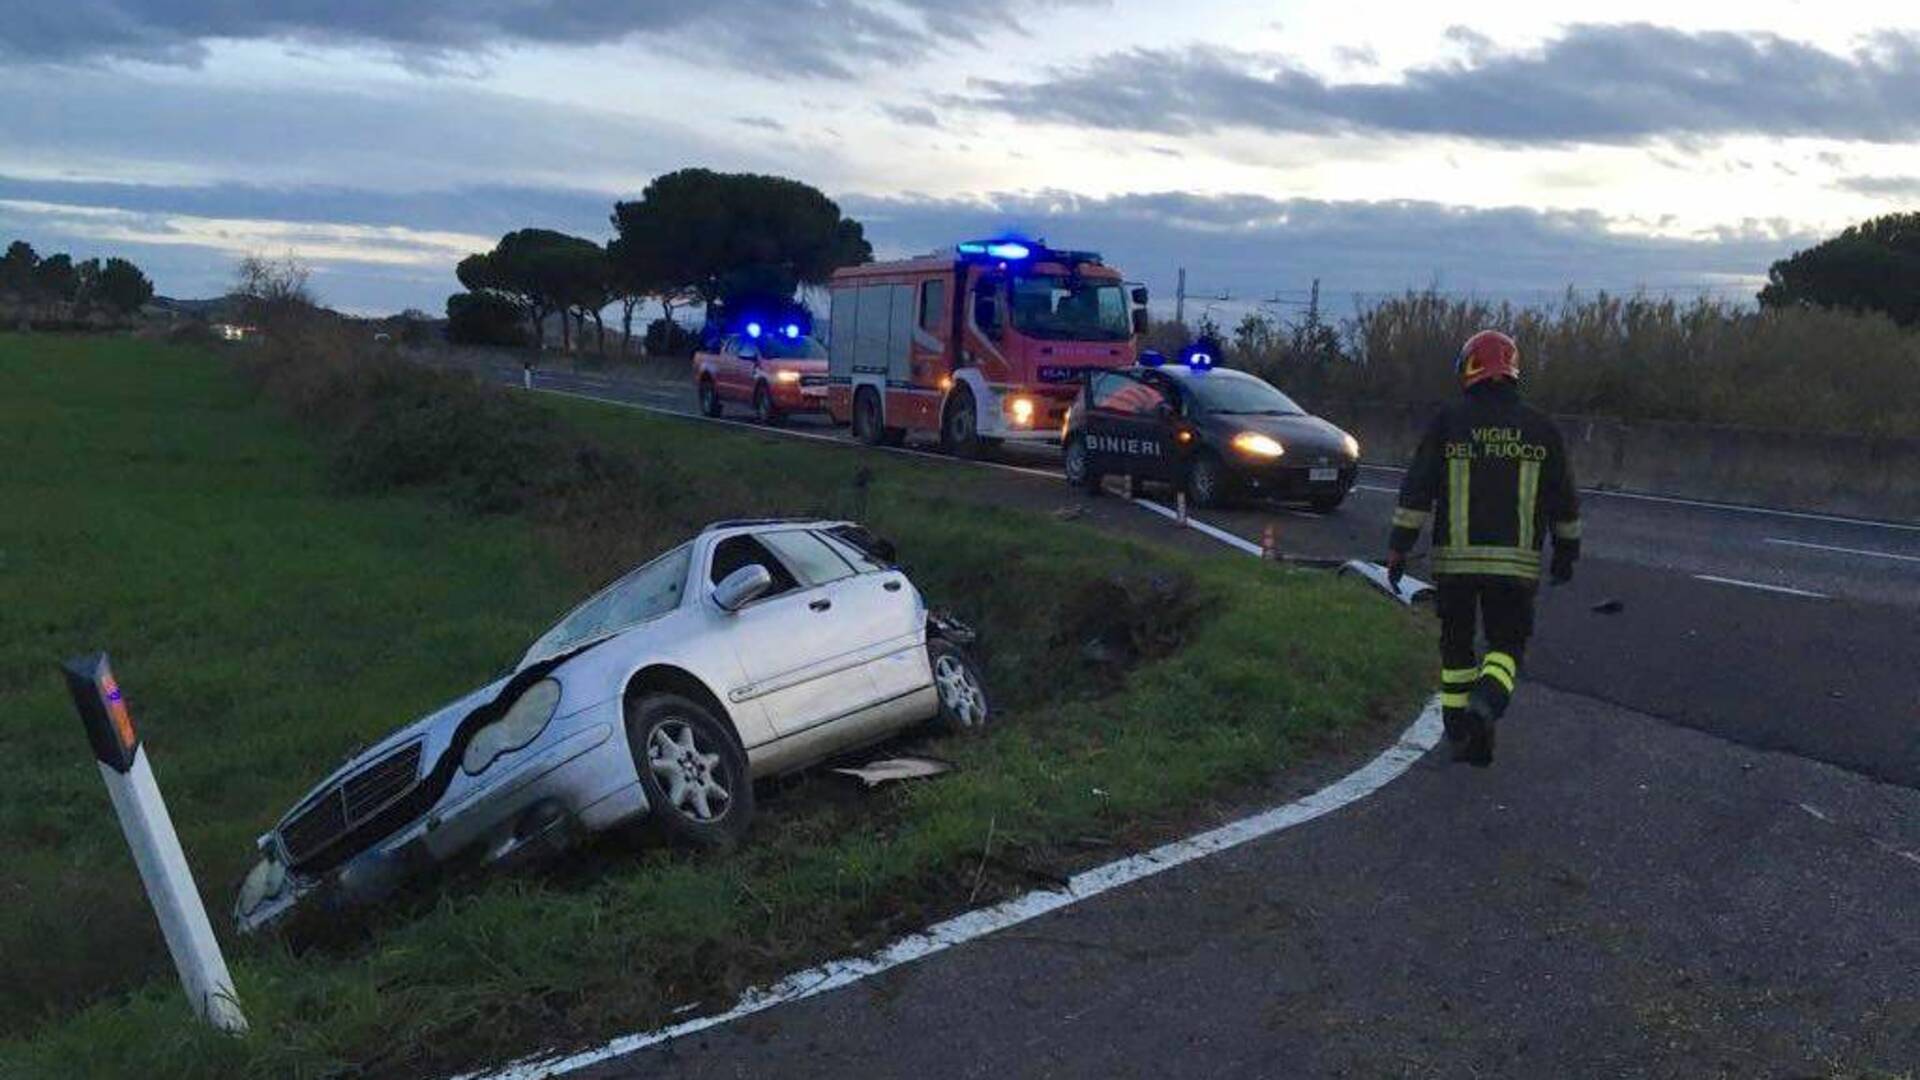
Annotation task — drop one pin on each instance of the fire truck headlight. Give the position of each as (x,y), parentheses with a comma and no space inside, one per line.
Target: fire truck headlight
(1021,409)
(1257,445)
(788,376)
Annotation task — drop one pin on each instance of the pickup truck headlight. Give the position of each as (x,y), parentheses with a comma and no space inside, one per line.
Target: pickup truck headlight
(525,719)
(787,376)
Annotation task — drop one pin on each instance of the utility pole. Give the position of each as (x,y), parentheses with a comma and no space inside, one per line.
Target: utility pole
(1313,305)
(1180,299)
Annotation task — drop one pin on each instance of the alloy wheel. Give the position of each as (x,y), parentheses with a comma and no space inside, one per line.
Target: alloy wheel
(960,692)
(694,777)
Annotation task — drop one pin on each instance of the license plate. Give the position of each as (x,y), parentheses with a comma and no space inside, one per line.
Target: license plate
(1322,476)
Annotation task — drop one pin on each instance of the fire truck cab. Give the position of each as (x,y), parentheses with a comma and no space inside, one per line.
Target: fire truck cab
(988,341)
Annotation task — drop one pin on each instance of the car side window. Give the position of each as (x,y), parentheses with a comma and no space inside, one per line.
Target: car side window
(1114,392)
(737,551)
(813,562)
(847,541)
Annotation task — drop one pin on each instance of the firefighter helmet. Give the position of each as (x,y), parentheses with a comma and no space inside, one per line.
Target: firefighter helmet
(1488,354)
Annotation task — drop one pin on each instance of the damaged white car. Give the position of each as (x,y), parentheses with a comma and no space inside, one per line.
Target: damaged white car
(756,648)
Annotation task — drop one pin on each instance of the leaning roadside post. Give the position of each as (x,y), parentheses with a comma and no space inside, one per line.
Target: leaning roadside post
(156,848)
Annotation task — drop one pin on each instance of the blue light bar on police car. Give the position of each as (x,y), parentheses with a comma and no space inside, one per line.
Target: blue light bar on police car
(792,331)
(1198,360)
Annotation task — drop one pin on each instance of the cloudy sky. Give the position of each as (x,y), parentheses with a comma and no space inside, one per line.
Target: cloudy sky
(1511,150)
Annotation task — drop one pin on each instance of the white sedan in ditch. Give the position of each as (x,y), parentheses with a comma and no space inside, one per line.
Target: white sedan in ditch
(756,648)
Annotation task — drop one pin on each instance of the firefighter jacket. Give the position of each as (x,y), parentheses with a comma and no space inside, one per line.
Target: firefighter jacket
(1492,477)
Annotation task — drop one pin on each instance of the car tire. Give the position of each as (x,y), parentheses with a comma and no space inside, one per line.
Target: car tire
(1206,482)
(1077,463)
(764,410)
(866,417)
(960,425)
(1327,504)
(964,708)
(675,738)
(709,398)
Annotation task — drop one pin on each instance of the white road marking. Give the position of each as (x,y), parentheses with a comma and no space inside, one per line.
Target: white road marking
(1419,737)
(1197,525)
(1737,508)
(1716,579)
(1843,550)
(1376,487)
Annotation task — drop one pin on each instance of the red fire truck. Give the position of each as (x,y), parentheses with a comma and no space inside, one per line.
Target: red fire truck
(988,341)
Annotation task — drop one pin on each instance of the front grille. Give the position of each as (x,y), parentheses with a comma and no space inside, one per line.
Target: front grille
(350,802)
(813,380)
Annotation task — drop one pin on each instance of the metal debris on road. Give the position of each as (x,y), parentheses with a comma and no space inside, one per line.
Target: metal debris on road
(1609,607)
(887,770)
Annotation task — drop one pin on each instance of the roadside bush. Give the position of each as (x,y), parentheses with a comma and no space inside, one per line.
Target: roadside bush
(1632,357)
(483,318)
(668,338)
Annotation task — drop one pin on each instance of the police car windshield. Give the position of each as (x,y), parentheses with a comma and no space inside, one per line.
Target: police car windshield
(1070,309)
(775,347)
(1238,394)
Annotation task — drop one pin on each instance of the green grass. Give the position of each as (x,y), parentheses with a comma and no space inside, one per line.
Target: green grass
(263,621)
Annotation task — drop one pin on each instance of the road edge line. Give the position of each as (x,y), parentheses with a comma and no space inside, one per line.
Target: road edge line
(1421,736)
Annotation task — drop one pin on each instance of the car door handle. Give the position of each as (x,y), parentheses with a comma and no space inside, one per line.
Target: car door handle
(821,604)
(891,584)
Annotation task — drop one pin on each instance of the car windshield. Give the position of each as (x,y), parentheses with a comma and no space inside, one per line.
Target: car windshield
(1236,393)
(775,347)
(1071,308)
(647,593)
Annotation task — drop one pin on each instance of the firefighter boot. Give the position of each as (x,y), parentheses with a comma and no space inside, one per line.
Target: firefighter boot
(1483,713)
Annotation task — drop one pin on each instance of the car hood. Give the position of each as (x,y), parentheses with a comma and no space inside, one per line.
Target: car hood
(1307,438)
(804,367)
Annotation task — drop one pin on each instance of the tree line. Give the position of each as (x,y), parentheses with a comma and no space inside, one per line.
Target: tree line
(721,240)
(56,285)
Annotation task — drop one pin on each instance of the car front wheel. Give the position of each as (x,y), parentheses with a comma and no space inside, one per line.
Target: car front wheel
(692,770)
(709,398)
(963,696)
(1206,482)
(1077,463)
(764,410)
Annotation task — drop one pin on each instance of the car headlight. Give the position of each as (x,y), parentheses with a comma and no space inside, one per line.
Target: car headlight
(788,376)
(1021,409)
(525,719)
(1353,446)
(1258,445)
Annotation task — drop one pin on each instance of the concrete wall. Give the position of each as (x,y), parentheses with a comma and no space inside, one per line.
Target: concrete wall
(1853,475)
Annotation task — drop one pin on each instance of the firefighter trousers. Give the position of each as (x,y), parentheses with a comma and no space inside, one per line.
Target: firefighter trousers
(1466,605)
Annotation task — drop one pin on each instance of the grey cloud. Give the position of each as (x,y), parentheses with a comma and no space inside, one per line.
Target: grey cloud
(1889,187)
(414,137)
(789,37)
(1598,84)
(1252,244)
(764,123)
(913,115)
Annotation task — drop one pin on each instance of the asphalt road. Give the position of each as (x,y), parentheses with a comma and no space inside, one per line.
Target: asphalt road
(1698,854)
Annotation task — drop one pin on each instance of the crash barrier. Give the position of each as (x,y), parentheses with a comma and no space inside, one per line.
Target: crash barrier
(1854,475)
(156,847)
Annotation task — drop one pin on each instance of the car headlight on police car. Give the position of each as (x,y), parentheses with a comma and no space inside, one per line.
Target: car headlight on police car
(1255,444)
(526,718)
(1353,446)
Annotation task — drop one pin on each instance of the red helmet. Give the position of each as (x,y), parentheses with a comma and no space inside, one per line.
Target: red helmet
(1488,354)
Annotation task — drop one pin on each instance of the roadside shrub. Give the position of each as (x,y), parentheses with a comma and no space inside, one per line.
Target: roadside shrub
(484,319)
(668,338)
(1632,357)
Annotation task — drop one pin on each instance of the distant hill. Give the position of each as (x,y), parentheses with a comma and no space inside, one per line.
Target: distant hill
(216,309)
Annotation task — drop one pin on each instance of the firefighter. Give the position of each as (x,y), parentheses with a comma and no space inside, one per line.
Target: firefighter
(1492,476)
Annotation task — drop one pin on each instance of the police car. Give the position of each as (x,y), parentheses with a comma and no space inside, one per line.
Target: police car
(1212,432)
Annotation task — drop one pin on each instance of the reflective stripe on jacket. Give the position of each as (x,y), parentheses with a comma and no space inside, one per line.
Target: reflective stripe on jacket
(1492,477)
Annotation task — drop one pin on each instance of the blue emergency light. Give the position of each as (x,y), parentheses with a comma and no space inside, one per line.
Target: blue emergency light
(753,329)
(792,331)
(1198,360)
(1004,250)
(1151,358)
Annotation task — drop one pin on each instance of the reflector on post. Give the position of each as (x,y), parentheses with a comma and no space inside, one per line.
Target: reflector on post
(156,847)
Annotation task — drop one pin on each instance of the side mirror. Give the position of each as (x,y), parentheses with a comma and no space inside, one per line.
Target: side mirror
(1139,296)
(1139,320)
(742,587)
(1165,410)
(750,352)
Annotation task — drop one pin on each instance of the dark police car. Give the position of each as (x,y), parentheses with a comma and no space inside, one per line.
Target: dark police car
(1213,432)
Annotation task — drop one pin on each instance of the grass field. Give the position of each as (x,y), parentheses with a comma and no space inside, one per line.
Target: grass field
(266,615)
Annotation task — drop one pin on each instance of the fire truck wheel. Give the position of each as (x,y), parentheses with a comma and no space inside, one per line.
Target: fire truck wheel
(709,398)
(764,409)
(963,697)
(960,426)
(1078,466)
(866,418)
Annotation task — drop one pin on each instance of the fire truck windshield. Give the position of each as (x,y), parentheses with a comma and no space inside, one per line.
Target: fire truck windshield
(1070,309)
